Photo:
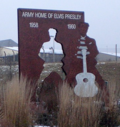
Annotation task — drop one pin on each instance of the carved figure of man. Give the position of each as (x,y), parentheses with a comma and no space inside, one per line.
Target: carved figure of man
(48,53)
(51,47)
(77,64)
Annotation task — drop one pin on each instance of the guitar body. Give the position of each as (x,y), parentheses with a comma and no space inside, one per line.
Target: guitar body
(85,81)
(85,85)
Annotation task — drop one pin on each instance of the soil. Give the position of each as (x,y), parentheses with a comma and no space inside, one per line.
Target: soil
(109,71)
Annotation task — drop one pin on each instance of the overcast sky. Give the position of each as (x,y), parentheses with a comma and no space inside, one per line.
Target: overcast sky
(103,17)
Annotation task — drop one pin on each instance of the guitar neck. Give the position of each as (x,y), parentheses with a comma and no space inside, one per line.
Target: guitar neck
(84,61)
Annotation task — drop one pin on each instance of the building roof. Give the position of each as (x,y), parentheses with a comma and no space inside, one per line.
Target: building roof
(111,53)
(8,43)
(12,48)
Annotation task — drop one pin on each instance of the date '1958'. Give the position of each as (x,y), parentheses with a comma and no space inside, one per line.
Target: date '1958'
(34,24)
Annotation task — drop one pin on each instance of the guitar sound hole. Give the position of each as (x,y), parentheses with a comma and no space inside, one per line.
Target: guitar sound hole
(85,80)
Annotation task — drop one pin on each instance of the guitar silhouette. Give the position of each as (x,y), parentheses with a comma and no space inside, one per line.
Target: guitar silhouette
(85,81)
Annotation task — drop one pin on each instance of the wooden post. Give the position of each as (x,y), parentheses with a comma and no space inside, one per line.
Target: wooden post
(116,51)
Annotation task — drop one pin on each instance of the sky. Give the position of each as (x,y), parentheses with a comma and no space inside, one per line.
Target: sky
(103,17)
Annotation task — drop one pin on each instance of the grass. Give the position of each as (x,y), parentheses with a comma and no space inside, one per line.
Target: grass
(111,116)
(88,112)
(73,111)
(15,109)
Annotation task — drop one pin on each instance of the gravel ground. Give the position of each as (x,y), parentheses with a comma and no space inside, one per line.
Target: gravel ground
(7,72)
(109,71)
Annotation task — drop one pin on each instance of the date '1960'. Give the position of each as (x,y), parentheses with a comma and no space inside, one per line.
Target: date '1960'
(71,26)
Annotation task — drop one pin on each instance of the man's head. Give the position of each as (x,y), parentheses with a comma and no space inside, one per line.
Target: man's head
(52,32)
(83,28)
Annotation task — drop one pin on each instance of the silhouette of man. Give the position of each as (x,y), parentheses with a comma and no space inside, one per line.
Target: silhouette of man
(77,64)
(51,48)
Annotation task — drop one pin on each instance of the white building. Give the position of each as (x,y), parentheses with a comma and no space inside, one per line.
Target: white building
(8,49)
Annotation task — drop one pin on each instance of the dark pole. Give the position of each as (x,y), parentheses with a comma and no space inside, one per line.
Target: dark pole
(44,55)
(116,51)
(53,54)
(5,56)
(13,56)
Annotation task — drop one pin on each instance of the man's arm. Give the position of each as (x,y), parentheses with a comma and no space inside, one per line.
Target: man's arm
(93,48)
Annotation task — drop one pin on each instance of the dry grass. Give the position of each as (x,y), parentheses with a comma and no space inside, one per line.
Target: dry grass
(73,111)
(15,110)
(88,112)
(78,112)
(111,116)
